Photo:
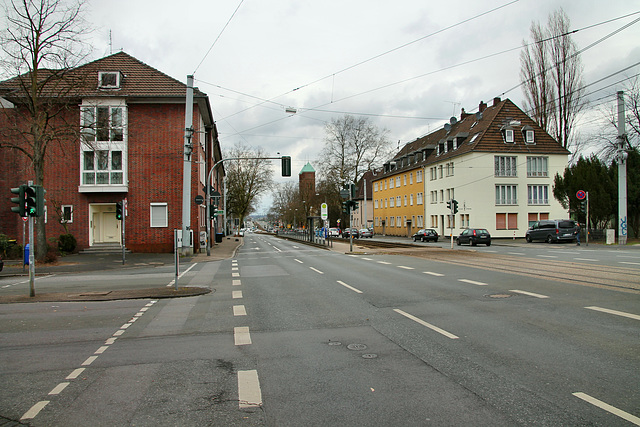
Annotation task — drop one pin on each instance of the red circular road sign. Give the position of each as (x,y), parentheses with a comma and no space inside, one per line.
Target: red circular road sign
(581,194)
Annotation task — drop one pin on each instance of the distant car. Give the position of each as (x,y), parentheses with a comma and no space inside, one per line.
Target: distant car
(347,232)
(365,232)
(426,235)
(556,230)
(334,232)
(473,236)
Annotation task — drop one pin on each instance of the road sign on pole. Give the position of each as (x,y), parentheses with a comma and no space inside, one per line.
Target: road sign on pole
(581,195)
(324,211)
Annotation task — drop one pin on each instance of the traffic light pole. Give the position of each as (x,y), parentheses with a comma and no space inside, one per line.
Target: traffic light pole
(123,235)
(32,260)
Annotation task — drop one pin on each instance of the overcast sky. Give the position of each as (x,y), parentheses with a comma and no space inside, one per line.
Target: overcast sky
(408,64)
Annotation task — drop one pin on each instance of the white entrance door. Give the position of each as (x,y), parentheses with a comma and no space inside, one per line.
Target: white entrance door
(104,226)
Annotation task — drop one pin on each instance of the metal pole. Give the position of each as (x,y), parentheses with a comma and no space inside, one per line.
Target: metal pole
(350,225)
(124,215)
(587,221)
(32,261)
(186,171)
(177,257)
(622,174)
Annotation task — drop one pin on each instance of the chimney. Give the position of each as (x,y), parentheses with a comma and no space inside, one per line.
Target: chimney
(464,114)
(482,106)
(496,101)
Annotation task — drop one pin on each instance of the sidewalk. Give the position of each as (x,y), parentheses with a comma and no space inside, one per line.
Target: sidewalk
(87,263)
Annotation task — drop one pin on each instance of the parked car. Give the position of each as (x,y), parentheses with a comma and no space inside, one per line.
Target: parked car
(334,232)
(365,232)
(426,235)
(347,232)
(555,230)
(473,236)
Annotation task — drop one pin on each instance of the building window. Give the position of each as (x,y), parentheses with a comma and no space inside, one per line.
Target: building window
(390,182)
(506,221)
(398,201)
(405,200)
(420,222)
(375,206)
(419,199)
(66,214)
(411,178)
(434,221)
(103,136)
(385,184)
(538,194)
(159,215)
(506,194)
(398,222)
(398,181)
(505,166)
(392,221)
(441,196)
(419,176)
(411,199)
(440,171)
(449,169)
(537,166)
(391,202)
(508,135)
(405,179)
(433,173)
(375,186)
(464,220)
(109,79)
(528,134)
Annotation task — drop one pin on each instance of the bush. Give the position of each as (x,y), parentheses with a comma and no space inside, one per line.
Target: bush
(9,249)
(67,243)
(52,254)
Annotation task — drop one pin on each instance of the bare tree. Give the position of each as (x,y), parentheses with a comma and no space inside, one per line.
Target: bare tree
(41,42)
(247,178)
(551,72)
(352,147)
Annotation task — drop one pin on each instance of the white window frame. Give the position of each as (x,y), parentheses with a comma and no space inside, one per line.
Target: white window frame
(537,166)
(505,166)
(63,219)
(419,176)
(538,195)
(102,74)
(506,194)
(419,199)
(156,219)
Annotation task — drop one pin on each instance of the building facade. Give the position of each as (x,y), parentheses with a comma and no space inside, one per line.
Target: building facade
(128,144)
(498,164)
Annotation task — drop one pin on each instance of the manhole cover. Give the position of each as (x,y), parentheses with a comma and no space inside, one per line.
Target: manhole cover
(357,347)
(335,343)
(498,296)
(369,356)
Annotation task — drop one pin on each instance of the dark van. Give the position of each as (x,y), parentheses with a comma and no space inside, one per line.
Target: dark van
(553,230)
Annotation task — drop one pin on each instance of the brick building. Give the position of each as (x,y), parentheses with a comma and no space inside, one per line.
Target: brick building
(124,141)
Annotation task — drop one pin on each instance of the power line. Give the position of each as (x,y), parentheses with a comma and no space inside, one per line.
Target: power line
(216,40)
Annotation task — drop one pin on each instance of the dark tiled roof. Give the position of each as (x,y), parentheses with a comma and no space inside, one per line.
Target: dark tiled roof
(139,80)
(480,132)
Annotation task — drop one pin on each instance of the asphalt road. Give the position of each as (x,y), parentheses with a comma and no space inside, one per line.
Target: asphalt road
(294,335)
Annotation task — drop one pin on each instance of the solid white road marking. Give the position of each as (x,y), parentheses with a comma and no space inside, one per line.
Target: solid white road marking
(249,394)
(433,274)
(405,267)
(473,282)
(617,313)
(612,409)
(316,270)
(239,310)
(531,294)
(236,294)
(350,287)
(241,335)
(75,374)
(59,388)
(89,361)
(35,410)
(297,260)
(428,325)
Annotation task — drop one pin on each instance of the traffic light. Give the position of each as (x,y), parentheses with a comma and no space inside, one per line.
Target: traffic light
(455,206)
(18,200)
(31,200)
(119,211)
(354,189)
(40,200)
(345,207)
(449,205)
(354,204)
(286,166)
(583,206)
(212,211)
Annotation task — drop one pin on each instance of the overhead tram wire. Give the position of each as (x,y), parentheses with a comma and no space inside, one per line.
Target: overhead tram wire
(382,54)
(217,38)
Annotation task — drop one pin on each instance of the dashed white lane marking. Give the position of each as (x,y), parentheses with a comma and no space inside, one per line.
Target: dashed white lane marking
(350,287)
(57,389)
(428,325)
(367,259)
(433,274)
(101,349)
(239,310)
(585,259)
(405,267)
(75,374)
(515,253)
(384,262)
(297,260)
(241,335)
(616,312)
(35,410)
(236,282)
(611,409)
(118,333)
(249,394)
(547,256)
(89,361)
(473,282)
(279,250)
(629,263)
(234,268)
(316,270)
(531,294)
(235,274)
(236,294)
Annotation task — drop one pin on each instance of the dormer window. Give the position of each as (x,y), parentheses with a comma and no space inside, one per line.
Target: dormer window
(508,135)
(109,79)
(528,134)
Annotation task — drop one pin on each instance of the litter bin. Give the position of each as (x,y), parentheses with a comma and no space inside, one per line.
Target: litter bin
(219,237)
(26,254)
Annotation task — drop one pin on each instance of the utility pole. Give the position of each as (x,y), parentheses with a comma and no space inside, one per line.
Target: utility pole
(364,204)
(186,172)
(622,173)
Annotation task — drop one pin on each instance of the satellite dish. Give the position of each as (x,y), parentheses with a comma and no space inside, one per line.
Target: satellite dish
(453,120)
(447,127)
(478,115)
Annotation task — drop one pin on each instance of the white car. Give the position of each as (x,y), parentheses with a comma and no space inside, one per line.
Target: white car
(334,232)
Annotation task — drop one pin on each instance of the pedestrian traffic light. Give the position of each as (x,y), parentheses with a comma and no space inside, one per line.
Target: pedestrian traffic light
(286,166)
(31,200)
(18,200)
(119,211)
(455,206)
(449,205)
